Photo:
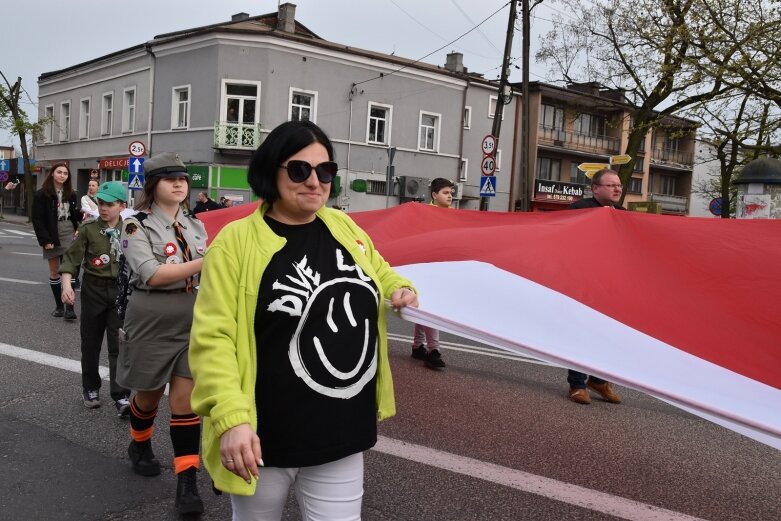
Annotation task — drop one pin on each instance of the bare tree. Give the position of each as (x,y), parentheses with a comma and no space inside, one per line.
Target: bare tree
(668,55)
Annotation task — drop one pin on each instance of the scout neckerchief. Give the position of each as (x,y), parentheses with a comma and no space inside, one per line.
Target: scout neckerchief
(186,256)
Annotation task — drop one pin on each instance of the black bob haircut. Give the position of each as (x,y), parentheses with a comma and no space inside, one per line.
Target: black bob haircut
(284,141)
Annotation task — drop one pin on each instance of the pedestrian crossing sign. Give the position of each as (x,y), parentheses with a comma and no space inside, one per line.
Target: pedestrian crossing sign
(136,182)
(488,186)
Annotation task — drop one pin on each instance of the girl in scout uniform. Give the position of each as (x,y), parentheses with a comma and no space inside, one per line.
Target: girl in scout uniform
(164,246)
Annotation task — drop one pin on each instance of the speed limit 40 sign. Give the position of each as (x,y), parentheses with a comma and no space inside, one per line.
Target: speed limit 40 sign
(488,165)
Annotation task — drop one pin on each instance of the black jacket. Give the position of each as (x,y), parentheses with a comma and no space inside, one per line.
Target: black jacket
(205,207)
(590,203)
(45,217)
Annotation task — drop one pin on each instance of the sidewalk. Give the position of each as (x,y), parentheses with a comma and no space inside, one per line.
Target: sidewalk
(12,217)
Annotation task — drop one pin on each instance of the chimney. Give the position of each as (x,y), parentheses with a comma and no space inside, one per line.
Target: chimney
(238,17)
(286,19)
(455,62)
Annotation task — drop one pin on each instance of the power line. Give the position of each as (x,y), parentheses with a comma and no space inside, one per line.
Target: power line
(435,51)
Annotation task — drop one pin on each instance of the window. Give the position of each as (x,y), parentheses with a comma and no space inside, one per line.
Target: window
(639,164)
(107,114)
(498,158)
(428,138)
(590,125)
(467,117)
(548,169)
(492,107)
(671,144)
(303,105)
(635,185)
(577,176)
(48,130)
(552,117)
(667,184)
(240,102)
(129,110)
(379,124)
(84,118)
(180,107)
(462,174)
(65,121)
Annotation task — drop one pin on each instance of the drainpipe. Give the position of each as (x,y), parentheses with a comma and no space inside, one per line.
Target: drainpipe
(461,140)
(350,97)
(148,48)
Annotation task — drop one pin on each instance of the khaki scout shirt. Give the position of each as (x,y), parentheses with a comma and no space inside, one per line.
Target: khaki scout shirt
(150,240)
(92,248)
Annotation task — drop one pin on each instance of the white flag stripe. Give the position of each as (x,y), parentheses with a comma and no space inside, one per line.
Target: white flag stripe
(533,320)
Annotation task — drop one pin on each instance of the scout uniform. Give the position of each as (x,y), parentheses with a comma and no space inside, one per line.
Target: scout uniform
(97,247)
(154,343)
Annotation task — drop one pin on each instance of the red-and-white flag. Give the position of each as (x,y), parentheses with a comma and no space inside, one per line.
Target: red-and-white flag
(684,309)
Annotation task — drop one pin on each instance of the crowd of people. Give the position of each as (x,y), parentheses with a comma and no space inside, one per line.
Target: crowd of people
(273,344)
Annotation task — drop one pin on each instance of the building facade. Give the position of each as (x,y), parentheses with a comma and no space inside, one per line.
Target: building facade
(213,93)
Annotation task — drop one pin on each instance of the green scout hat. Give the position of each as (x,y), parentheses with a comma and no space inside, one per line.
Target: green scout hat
(112,191)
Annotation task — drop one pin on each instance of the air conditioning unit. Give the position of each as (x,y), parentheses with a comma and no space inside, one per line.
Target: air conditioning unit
(458,191)
(413,187)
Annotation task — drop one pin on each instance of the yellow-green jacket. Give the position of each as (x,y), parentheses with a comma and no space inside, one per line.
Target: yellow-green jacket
(222,352)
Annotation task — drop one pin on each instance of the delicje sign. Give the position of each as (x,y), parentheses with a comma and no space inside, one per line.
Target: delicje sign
(556,191)
(114,164)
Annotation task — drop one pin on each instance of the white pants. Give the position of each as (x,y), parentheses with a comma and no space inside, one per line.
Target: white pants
(329,492)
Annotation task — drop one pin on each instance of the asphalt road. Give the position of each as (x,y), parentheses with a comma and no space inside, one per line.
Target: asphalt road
(492,437)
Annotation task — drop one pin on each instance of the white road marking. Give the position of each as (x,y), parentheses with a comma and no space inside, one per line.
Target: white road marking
(25,253)
(19,281)
(524,481)
(18,232)
(530,483)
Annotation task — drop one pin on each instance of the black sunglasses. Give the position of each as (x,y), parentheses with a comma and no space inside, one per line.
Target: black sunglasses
(299,171)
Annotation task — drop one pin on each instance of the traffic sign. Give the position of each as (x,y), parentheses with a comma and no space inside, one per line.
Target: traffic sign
(3,165)
(489,145)
(136,182)
(488,165)
(135,165)
(94,174)
(488,186)
(715,206)
(620,160)
(592,167)
(137,149)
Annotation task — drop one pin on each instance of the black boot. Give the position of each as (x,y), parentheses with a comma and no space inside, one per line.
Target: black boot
(188,501)
(56,287)
(143,459)
(70,315)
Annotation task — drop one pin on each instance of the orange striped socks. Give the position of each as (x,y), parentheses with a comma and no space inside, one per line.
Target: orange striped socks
(141,422)
(185,438)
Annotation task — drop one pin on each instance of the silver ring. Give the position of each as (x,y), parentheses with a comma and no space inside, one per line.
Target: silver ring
(228,461)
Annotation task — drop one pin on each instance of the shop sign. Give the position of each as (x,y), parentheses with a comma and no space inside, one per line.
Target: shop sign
(555,191)
(118,163)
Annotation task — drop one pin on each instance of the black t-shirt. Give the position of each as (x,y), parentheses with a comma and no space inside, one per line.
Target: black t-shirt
(316,331)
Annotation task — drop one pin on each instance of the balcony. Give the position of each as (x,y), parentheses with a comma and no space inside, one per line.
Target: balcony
(236,136)
(671,203)
(672,157)
(575,141)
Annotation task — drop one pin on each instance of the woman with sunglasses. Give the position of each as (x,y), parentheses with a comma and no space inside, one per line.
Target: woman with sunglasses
(288,347)
(55,218)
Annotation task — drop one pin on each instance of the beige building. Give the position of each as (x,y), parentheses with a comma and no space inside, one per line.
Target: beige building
(584,123)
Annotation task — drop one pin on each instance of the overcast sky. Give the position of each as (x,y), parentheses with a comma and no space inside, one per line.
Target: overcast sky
(45,35)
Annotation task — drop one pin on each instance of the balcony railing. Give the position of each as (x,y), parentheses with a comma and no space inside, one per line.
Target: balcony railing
(671,203)
(576,141)
(238,136)
(672,157)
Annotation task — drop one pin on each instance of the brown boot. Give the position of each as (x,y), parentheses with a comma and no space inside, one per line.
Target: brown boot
(580,396)
(606,391)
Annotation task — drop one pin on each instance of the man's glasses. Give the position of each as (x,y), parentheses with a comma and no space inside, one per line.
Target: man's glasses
(299,171)
(612,185)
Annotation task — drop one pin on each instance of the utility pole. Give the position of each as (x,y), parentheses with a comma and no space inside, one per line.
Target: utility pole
(502,95)
(526,166)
